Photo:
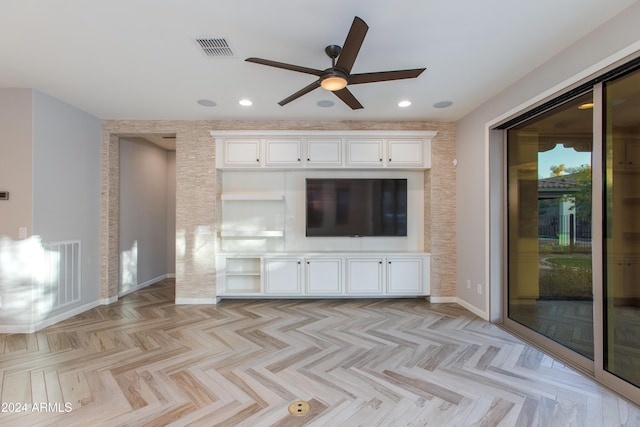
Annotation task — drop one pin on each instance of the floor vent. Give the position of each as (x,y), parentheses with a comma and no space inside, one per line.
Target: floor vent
(299,408)
(217,47)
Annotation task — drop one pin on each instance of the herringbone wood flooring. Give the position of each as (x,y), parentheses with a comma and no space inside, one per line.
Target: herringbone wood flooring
(145,361)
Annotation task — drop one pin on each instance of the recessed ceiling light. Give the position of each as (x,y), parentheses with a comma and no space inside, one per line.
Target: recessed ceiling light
(443,104)
(404,104)
(325,103)
(207,103)
(245,102)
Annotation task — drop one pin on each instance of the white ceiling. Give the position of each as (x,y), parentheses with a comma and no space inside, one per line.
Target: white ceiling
(138,59)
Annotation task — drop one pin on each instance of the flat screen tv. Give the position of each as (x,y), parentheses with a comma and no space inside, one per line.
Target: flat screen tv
(356,207)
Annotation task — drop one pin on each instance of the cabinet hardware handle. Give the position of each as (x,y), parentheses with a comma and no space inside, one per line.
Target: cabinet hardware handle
(257,160)
(389,159)
(380,262)
(308,159)
(298,158)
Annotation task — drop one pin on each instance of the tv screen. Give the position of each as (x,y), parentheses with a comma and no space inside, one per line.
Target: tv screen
(356,207)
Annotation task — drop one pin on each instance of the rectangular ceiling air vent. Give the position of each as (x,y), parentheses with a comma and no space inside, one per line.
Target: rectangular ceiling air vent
(212,46)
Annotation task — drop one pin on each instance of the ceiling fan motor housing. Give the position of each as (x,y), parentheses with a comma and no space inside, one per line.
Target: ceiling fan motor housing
(333,51)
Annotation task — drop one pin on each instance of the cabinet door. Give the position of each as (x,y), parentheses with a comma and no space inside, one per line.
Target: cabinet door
(405,152)
(284,152)
(632,155)
(324,152)
(241,152)
(364,276)
(282,276)
(631,286)
(405,276)
(365,152)
(324,276)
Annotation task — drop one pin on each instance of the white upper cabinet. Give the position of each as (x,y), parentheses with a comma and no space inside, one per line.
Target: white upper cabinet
(241,152)
(324,152)
(407,152)
(365,152)
(323,149)
(283,152)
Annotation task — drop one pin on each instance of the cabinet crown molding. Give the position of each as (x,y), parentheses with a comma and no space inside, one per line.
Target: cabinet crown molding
(427,134)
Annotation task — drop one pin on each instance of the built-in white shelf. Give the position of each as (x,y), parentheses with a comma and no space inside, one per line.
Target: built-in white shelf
(251,233)
(252,196)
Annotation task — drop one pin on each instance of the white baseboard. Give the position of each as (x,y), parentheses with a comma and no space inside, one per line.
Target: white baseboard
(482,314)
(17,329)
(443,300)
(198,300)
(67,314)
(110,300)
(48,321)
(145,284)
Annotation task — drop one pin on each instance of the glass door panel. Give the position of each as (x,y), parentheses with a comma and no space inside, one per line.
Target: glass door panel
(549,198)
(622,228)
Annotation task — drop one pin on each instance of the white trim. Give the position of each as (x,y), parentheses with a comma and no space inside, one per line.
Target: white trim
(482,314)
(316,133)
(110,300)
(48,321)
(67,314)
(443,300)
(189,301)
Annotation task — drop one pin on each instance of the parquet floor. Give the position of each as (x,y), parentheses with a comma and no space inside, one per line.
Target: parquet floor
(145,361)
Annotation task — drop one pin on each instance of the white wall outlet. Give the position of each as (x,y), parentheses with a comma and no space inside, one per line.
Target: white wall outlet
(479,289)
(22,232)
(468,284)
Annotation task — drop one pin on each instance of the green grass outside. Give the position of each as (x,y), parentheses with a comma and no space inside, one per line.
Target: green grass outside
(579,262)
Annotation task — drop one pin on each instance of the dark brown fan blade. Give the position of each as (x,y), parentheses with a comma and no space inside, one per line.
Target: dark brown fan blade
(285,66)
(384,76)
(348,98)
(301,92)
(352,45)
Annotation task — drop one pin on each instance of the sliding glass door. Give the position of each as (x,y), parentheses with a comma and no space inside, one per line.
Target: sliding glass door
(622,228)
(571,292)
(550,289)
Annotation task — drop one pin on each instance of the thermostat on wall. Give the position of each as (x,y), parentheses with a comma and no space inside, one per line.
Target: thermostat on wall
(4,195)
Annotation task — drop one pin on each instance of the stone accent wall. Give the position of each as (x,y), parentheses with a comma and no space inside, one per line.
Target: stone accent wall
(198,188)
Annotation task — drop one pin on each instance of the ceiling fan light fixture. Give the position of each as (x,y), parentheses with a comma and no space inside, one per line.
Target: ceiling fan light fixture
(333,83)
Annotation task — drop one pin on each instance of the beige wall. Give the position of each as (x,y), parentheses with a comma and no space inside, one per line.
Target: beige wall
(197,189)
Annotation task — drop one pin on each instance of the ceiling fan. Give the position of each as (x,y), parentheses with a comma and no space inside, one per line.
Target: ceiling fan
(336,78)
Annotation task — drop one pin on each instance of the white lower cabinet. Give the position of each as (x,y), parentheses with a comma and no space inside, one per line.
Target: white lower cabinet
(282,276)
(324,276)
(364,276)
(405,276)
(320,275)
